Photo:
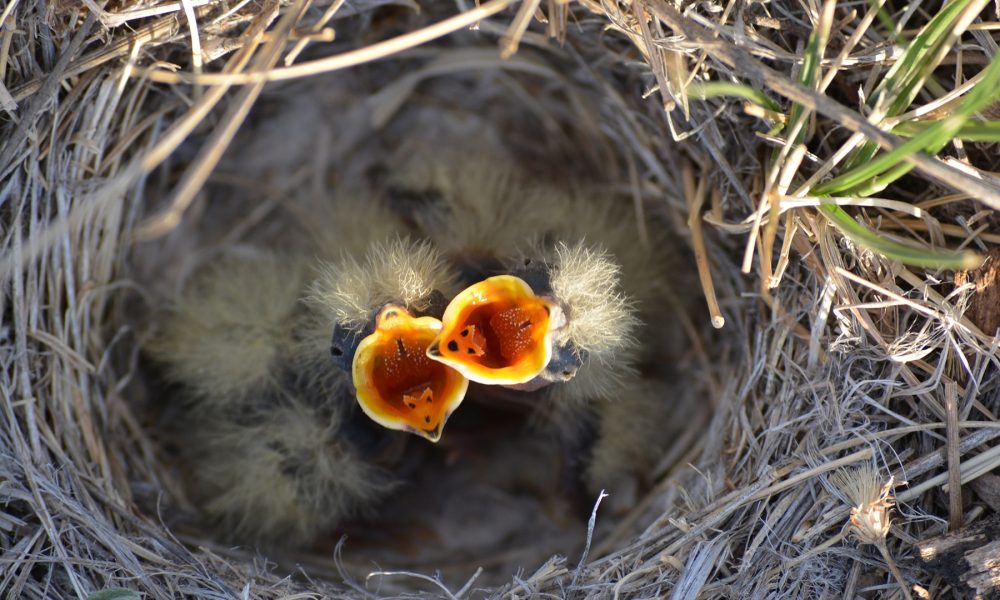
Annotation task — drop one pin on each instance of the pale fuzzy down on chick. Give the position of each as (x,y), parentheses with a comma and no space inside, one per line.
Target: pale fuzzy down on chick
(275,447)
(382,311)
(224,334)
(283,471)
(275,444)
(401,271)
(263,450)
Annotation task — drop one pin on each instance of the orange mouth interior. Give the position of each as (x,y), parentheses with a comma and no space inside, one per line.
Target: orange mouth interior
(397,385)
(496,332)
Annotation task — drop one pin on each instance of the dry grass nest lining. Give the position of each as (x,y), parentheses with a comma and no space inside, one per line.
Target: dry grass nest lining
(838,358)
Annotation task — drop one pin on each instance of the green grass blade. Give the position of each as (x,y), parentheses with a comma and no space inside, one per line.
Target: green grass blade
(907,76)
(883,170)
(810,72)
(971,131)
(711,89)
(921,257)
(920,58)
(919,52)
(943,130)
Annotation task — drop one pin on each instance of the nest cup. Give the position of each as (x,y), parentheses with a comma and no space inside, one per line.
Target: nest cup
(390,133)
(119,179)
(541,115)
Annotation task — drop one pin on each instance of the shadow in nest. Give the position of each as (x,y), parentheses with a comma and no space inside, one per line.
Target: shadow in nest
(327,211)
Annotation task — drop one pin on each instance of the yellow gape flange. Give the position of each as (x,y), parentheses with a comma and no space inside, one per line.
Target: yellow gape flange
(397,385)
(497,332)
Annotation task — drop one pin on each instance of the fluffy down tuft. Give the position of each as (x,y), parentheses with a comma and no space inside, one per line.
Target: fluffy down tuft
(403,271)
(282,478)
(586,281)
(222,336)
(634,429)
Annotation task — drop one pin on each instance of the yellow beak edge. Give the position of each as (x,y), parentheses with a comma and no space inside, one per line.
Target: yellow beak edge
(397,385)
(497,332)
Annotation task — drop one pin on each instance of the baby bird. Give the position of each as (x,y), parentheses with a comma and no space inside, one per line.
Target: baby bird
(270,356)
(270,455)
(382,313)
(299,378)
(562,305)
(507,331)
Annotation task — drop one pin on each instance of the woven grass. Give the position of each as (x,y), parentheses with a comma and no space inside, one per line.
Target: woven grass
(826,354)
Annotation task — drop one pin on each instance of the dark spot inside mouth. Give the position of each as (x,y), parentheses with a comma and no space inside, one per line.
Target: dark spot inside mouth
(453,346)
(525,325)
(471,351)
(427,419)
(411,404)
(465,332)
(401,347)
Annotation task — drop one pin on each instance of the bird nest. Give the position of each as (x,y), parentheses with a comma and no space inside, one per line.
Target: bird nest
(821,174)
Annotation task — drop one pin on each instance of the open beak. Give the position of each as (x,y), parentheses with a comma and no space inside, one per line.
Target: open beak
(497,332)
(397,385)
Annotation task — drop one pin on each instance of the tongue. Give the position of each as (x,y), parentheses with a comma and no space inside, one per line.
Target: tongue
(513,328)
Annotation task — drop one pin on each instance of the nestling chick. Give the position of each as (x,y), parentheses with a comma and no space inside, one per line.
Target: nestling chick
(561,299)
(517,250)
(505,330)
(382,313)
(229,327)
(271,455)
(269,425)
(287,469)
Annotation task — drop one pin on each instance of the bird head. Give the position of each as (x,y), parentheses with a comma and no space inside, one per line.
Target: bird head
(397,385)
(500,332)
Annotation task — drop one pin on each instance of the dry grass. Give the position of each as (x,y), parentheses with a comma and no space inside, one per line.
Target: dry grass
(831,355)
